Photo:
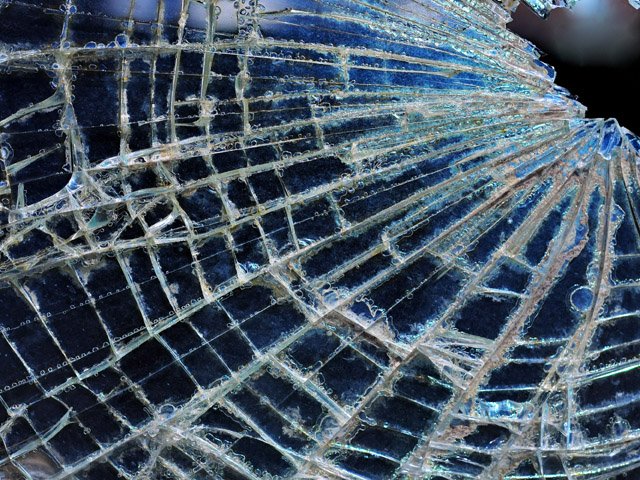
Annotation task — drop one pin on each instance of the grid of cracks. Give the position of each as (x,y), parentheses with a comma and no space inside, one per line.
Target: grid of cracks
(343,239)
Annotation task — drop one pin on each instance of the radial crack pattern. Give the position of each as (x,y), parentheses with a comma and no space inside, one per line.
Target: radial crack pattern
(312,238)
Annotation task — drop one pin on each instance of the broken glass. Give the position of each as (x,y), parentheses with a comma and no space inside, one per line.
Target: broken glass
(312,238)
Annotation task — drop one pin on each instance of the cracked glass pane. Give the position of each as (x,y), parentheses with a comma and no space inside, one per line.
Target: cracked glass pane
(312,238)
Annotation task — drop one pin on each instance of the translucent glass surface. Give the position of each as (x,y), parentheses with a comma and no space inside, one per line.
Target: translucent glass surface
(309,238)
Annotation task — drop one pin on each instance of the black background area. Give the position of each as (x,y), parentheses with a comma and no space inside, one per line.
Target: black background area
(606,91)
(573,46)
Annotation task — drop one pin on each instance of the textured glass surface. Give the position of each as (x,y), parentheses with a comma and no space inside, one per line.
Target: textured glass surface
(313,238)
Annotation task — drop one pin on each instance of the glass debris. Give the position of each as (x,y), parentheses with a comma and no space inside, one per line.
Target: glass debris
(313,238)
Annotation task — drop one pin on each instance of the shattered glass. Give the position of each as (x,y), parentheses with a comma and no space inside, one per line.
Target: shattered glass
(312,238)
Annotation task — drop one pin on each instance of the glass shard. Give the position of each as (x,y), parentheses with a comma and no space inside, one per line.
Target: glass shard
(322,239)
